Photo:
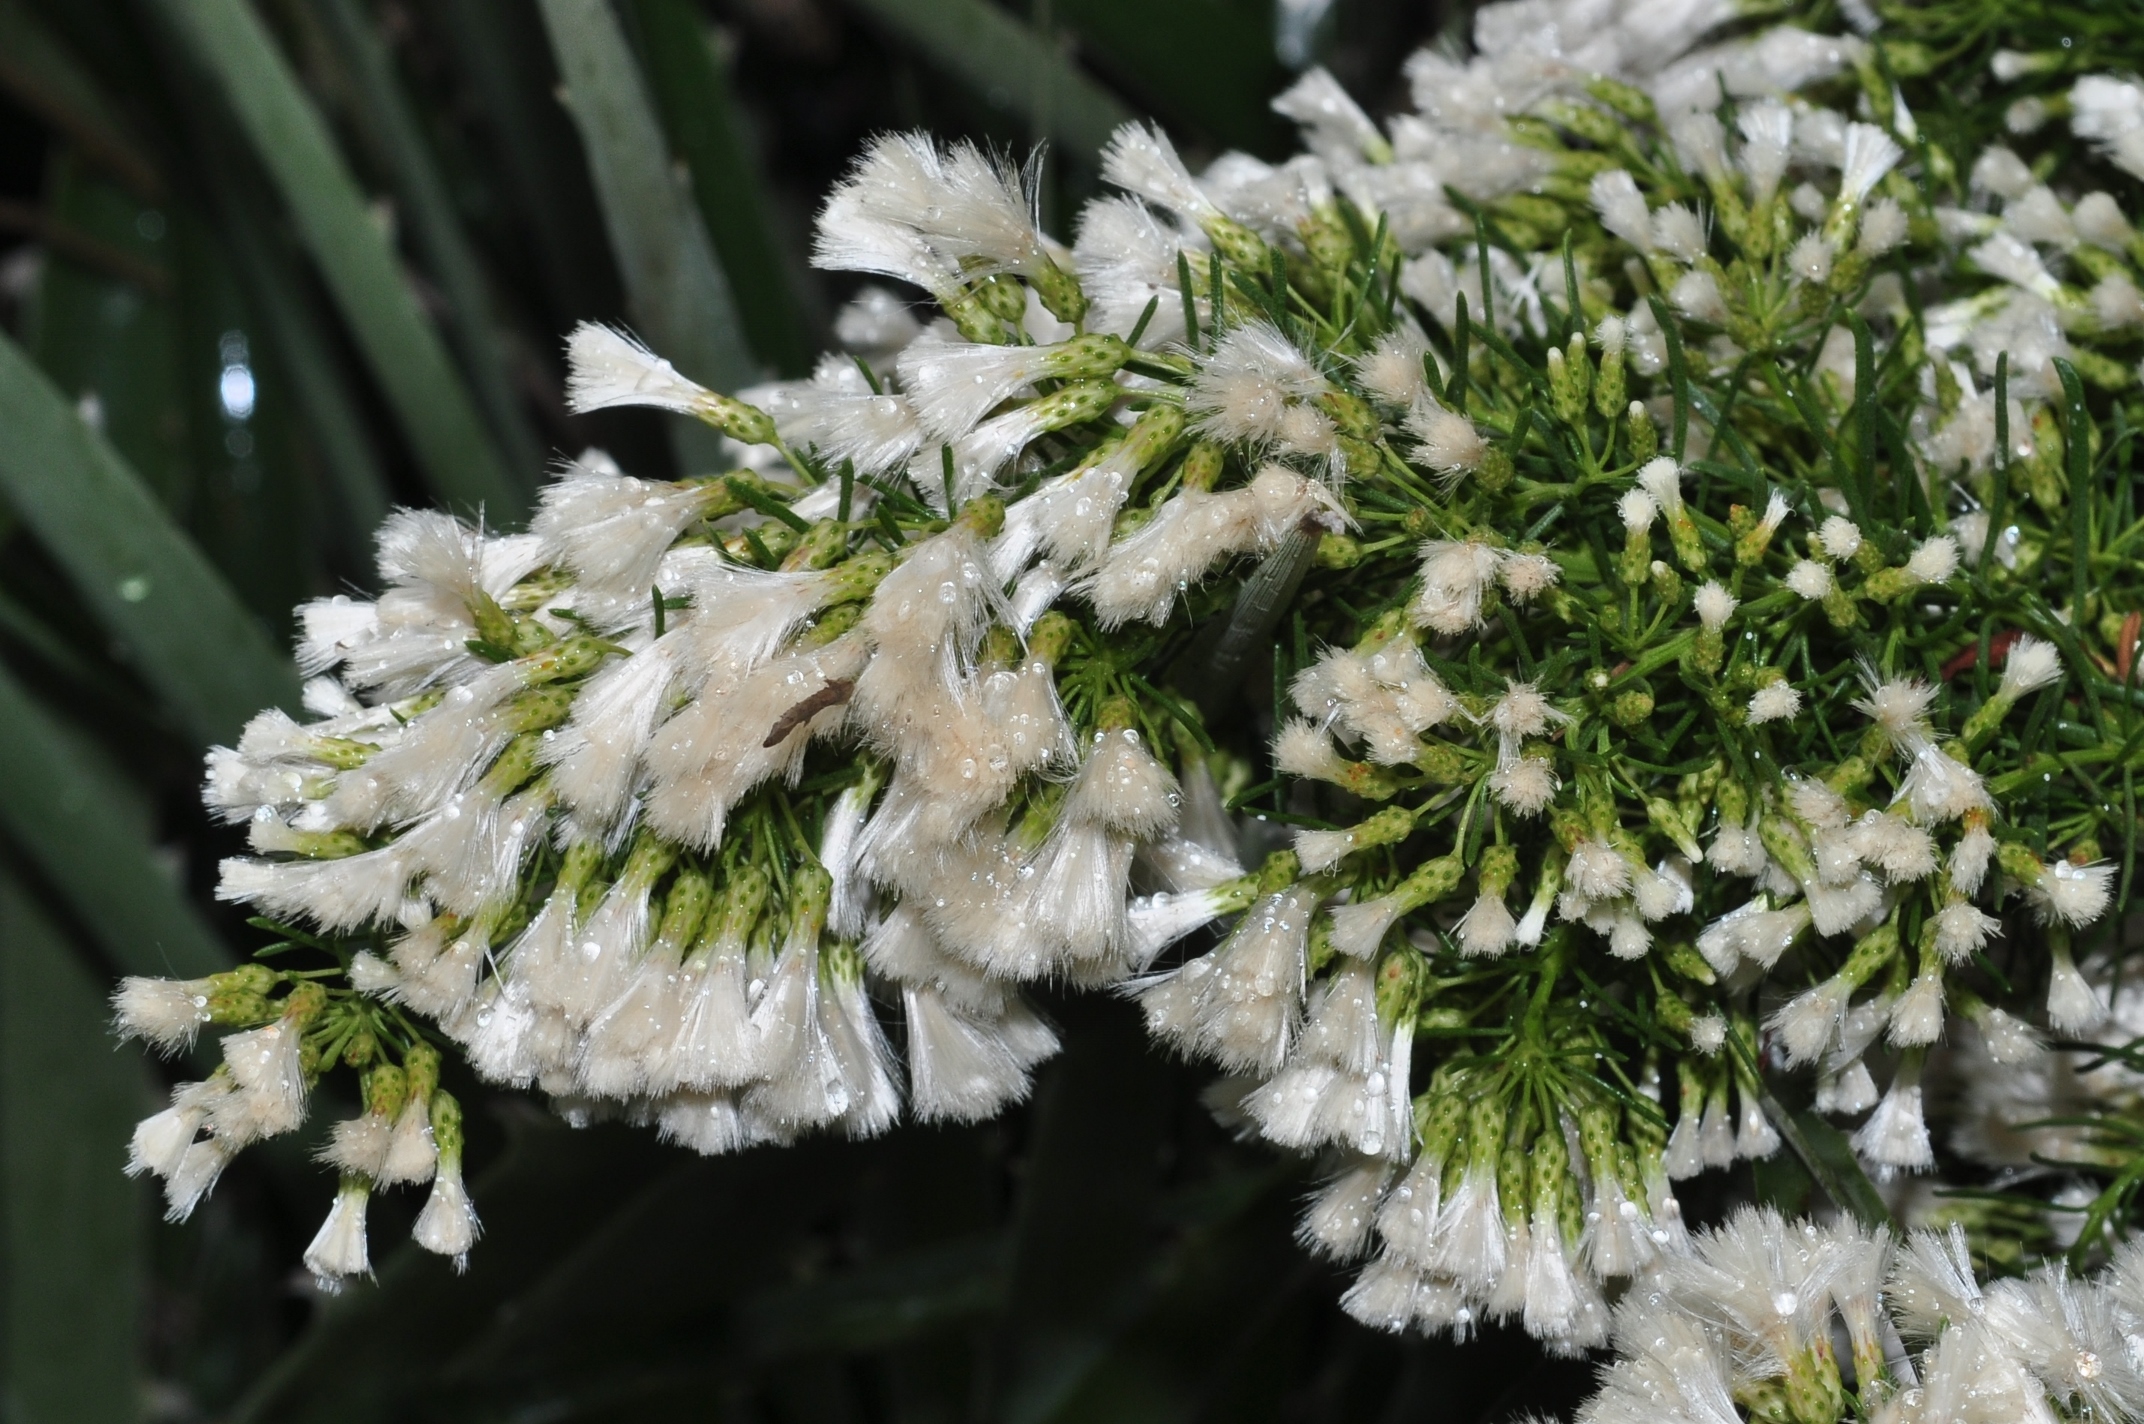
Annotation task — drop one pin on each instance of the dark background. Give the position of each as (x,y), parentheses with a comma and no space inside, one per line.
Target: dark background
(1106,1252)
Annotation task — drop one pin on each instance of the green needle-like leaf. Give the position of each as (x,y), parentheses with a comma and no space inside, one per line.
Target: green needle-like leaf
(1008,64)
(37,70)
(403,349)
(58,809)
(435,226)
(181,627)
(73,1235)
(679,297)
(692,92)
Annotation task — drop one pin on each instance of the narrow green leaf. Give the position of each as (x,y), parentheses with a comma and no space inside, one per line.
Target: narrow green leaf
(302,349)
(692,93)
(1999,490)
(1216,669)
(182,628)
(678,296)
(1864,414)
(2077,446)
(437,229)
(514,86)
(1679,376)
(429,398)
(73,1242)
(884,1302)
(95,328)
(59,809)
(1009,65)
(42,74)
(1081,1231)
(1830,1158)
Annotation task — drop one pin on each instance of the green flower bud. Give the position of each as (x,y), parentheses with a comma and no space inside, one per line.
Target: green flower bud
(1570,379)
(1609,387)
(421,1064)
(1631,708)
(1499,867)
(1644,440)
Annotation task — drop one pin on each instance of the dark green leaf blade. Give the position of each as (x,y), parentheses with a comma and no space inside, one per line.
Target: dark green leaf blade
(1009,65)
(73,1241)
(437,229)
(430,400)
(678,295)
(699,112)
(182,627)
(61,814)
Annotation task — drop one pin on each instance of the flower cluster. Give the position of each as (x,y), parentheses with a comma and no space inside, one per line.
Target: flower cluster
(1655,492)
(1745,1326)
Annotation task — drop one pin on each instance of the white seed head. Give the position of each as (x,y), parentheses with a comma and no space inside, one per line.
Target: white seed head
(1810,579)
(2073,895)
(1449,443)
(1622,208)
(1715,605)
(1774,702)
(1527,576)
(1392,369)
(1969,860)
(1661,478)
(1638,510)
(1934,560)
(2101,222)
(1811,258)
(1883,229)
(605,368)
(1899,705)
(164,1013)
(1870,153)
(1767,139)
(1523,712)
(1962,931)
(2031,664)
(1840,536)
(1678,232)
(1917,1017)
(1697,295)
(2073,1005)
(2010,1041)
(1525,784)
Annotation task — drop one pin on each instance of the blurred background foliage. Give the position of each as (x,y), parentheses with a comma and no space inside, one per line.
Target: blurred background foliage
(268,267)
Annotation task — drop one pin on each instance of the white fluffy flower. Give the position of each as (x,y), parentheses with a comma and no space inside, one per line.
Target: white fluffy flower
(1840,536)
(1637,510)
(1962,930)
(1934,560)
(447,1226)
(338,1250)
(2073,895)
(1622,209)
(1895,1138)
(1449,442)
(165,1013)
(1811,258)
(2031,664)
(1454,577)
(1810,579)
(1715,605)
(1244,389)
(1774,702)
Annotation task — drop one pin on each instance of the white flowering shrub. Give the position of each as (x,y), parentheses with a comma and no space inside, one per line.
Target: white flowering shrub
(1564,642)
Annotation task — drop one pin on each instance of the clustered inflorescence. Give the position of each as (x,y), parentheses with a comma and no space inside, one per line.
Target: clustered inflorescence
(1559,642)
